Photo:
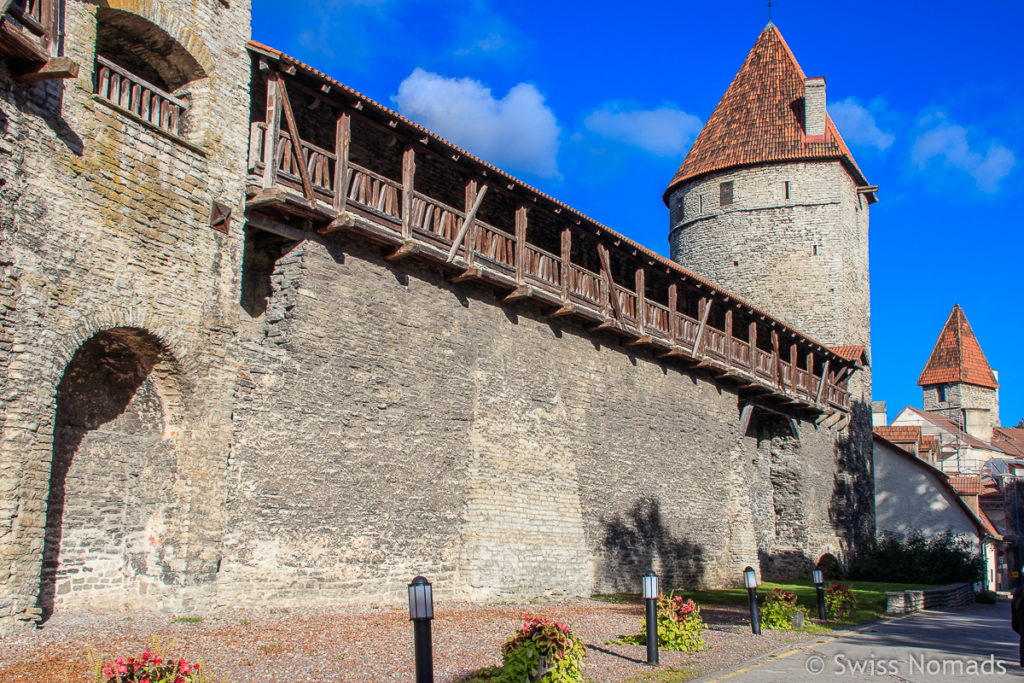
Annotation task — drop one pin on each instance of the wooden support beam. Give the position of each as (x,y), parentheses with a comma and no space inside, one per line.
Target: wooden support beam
(470,201)
(520,242)
(675,352)
(606,324)
(752,339)
(343,221)
(57,68)
(408,185)
(706,304)
(776,370)
(520,292)
(404,250)
(293,130)
(467,224)
(342,141)
(745,415)
(642,340)
(609,281)
(673,301)
(564,310)
(641,299)
(566,260)
(273,131)
(821,384)
(468,274)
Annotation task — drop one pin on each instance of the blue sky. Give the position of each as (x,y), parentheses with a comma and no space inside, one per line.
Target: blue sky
(597,105)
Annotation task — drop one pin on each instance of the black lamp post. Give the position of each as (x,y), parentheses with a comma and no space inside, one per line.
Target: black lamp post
(750,579)
(651,598)
(421,611)
(819,580)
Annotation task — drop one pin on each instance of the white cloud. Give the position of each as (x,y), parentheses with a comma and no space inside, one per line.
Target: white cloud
(517,132)
(665,131)
(947,143)
(857,124)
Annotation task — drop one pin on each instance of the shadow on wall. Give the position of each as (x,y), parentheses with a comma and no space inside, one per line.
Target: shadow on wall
(852,508)
(637,542)
(107,375)
(46,100)
(784,564)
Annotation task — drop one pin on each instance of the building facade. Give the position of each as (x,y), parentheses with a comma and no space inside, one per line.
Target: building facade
(265,341)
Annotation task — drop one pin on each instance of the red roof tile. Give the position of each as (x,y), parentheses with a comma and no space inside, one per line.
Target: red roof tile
(849,352)
(760,119)
(966,485)
(899,434)
(957,356)
(1010,440)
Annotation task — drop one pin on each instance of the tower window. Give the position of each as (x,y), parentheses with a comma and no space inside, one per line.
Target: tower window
(725,193)
(814,250)
(700,203)
(787,189)
(940,394)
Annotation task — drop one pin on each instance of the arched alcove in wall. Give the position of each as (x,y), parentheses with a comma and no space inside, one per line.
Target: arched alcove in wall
(112,507)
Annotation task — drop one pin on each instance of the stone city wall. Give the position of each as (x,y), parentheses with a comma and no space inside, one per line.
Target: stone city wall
(389,424)
(118,303)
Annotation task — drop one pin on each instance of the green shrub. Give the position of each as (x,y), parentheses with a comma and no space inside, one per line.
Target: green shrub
(680,626)
(946,558)
(839,601)
(540,652)
(778,610)
(985,597)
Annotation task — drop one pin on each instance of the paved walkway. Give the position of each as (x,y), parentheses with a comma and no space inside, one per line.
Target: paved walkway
(975,644)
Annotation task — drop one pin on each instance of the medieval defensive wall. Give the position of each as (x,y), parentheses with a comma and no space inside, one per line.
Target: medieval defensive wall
(272,343)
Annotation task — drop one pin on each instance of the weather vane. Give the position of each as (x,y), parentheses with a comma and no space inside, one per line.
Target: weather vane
(769,6)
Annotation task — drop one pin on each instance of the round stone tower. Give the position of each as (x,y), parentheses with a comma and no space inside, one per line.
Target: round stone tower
(770,203)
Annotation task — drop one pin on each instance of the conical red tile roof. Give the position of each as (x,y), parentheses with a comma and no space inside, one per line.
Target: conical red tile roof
(760,119)
(957,356)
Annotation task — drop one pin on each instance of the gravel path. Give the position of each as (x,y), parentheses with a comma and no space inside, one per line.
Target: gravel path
(364,644)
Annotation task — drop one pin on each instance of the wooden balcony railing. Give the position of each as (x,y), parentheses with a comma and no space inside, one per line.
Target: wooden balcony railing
(141,98)
(372,191)
(435,220)
(30,14)
(494,245)
(542,266)
(437,225)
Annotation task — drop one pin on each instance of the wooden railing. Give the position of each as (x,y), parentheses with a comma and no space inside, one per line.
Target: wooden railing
(434,219)
(584,285)
(374,192)
(438,224)
(542,266)
(495,245)
(141,98)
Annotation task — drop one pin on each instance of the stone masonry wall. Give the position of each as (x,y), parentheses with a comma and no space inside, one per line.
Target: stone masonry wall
(400,425)
(959,396)
(104,234)
(802,258)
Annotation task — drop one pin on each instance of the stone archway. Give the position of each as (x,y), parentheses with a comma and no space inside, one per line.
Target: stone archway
(112,522)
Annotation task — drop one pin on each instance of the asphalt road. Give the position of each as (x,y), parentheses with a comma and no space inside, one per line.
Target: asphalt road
(976,644)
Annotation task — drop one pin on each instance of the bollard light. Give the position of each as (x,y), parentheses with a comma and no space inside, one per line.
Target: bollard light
(651,594)
(750,579)
(819,580)
(650,586)
(421,611)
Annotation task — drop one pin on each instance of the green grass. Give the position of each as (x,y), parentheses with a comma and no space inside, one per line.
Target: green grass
(672,674)
(870,596)
(188,620)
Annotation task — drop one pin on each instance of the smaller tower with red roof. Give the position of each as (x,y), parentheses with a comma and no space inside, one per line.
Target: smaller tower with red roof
(957,381)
